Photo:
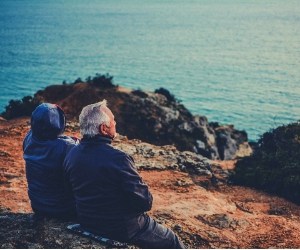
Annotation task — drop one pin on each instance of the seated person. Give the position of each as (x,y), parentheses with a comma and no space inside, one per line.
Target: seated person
(111,198)
(44,152)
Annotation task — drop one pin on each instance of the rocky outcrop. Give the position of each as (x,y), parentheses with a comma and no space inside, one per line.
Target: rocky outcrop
(231,143)
(150,157)
(24,231)
(157,118)
(191,197)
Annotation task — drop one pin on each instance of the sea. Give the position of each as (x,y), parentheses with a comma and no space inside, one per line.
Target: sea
(234,61)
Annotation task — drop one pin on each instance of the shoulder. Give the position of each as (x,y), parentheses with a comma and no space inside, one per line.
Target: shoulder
(66,143)
(67,140)
(27,136)
(119,158)
(27,139)
(121,155)
(124,161)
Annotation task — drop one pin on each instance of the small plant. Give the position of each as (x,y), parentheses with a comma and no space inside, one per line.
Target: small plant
(101,81)
(166,93)
(140,93)
(17,108)
(78,80)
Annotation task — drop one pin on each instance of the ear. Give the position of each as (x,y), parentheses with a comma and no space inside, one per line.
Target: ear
(102,129)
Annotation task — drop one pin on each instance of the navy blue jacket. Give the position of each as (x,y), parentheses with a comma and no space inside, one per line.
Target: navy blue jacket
(44,153)
(111,197)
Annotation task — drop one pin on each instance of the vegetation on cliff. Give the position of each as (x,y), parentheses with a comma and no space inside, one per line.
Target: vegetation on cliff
(25,106)
(275,164)
(18,108)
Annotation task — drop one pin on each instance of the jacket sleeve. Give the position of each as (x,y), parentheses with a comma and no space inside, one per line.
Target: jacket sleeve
(26,139)
(137,194)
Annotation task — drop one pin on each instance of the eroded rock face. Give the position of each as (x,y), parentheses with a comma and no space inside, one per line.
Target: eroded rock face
(231,143)
(151,117)
(204,171)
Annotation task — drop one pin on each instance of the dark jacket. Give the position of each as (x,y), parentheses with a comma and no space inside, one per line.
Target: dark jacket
(111,197)
(44,153)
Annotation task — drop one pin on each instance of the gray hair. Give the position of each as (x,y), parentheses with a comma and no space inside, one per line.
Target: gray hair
(91,117)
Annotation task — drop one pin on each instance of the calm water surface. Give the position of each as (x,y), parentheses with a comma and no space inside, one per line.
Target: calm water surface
(234,61)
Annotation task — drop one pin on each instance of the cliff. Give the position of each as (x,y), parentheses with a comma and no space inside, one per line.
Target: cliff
(191,195)
(153,117)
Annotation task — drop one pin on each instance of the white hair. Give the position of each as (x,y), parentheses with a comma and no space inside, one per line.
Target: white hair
(91,117)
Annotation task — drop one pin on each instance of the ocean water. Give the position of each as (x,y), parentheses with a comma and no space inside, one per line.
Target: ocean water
(234,61)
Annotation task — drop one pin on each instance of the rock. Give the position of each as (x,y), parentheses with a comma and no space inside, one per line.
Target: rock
(151,157)
(22,231)
(157,118)
(222,221)
(177,228)
(2,119)
(4,153)
(231,142)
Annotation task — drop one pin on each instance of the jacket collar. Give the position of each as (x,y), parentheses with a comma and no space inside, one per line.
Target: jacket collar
(96,139)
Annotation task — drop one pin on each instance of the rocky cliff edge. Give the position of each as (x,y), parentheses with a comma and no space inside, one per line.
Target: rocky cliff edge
(154,117)
(191,196)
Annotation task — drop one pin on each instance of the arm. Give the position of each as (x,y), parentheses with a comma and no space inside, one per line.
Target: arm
(137,194)
(25,141)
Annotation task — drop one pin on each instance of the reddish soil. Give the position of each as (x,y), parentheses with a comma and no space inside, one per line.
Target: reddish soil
(221,217)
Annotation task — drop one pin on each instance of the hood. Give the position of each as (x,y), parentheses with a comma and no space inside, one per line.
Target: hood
(47,121)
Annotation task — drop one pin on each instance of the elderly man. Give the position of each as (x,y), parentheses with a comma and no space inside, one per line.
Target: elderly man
(111,198)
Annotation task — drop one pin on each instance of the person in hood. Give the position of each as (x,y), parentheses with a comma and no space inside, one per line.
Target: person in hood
(111,197)
(44,150)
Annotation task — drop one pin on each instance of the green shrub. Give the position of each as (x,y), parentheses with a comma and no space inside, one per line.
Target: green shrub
(275,164)
(78,80)
(25,106)
(17,108)
(101,81)
(166,93)
(140,93)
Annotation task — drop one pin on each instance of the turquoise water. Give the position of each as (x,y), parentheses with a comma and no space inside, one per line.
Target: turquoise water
(235,61)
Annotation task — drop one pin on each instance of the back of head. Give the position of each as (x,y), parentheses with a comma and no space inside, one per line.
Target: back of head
(47,121)
(91,117)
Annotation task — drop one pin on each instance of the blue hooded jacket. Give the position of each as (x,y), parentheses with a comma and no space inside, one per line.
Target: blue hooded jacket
(44,152)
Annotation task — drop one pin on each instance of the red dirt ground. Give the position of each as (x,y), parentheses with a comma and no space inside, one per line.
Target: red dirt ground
(223,217)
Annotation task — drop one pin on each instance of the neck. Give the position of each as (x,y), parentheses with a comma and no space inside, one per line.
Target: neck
(97,137)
